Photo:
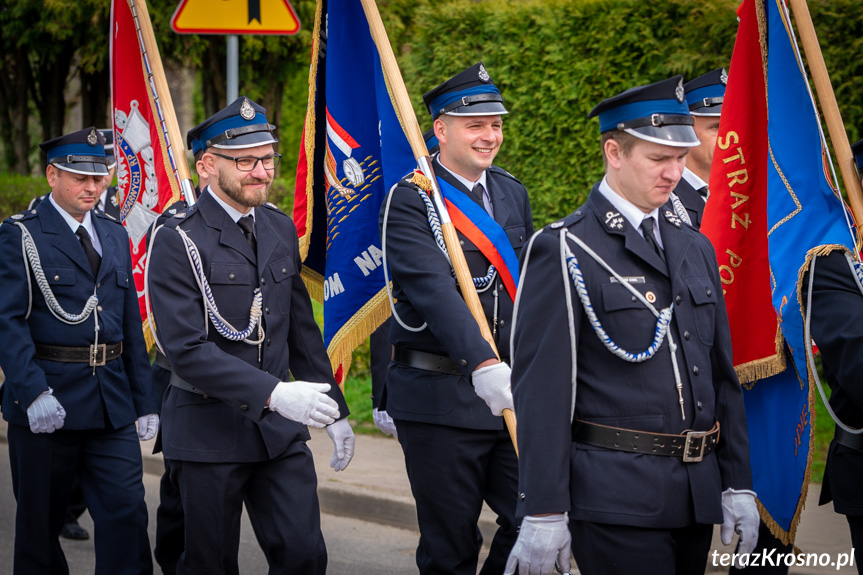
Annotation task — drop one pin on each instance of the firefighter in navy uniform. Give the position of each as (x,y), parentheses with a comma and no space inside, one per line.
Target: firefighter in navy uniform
(236,323)
(77,374)
(704,96)
(445,388)
(622,372)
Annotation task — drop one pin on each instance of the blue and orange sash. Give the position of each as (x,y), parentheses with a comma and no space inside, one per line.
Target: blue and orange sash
(473,221)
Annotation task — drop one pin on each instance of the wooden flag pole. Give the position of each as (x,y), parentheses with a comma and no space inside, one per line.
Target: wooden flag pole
(164,101)
(829,107)
(410,125)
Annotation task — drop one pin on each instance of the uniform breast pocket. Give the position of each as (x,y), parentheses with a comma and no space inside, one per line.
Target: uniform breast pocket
(283,272)
(704,301)
(122,283)
(627,321)
(516,237)
(232,289)
(60,278)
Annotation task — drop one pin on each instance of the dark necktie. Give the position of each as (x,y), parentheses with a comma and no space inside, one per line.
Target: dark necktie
(482,194)
(247,223)
(704,192)
(650,238)
(92,255)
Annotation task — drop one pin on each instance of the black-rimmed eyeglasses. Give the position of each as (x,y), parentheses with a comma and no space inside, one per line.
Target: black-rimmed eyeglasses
(248,163)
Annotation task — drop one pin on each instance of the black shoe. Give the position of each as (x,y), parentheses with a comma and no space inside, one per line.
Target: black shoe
(74,531)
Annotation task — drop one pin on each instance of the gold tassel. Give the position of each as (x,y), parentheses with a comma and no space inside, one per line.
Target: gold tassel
(421,181)
(356,331)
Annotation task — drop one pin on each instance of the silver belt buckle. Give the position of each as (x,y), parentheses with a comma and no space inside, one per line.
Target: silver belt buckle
(95,350)
(702,435)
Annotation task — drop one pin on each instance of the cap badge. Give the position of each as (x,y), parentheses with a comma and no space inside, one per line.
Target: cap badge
(679,92)
(246,110)
(723,77)
(92,138)
(614,220)
(483,75)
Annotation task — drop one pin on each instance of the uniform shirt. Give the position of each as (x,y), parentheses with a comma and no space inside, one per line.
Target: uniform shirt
(75,224)
(233,212)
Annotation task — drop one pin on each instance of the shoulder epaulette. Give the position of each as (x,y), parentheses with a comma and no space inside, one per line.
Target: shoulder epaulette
(20,216)
(499,170)
(567,221)
(274,208)
(106,216)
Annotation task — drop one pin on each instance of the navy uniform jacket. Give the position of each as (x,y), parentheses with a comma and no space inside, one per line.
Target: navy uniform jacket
(425,291)
(837,310)
(615,487)
(692,200)
(120,388)
(231,423)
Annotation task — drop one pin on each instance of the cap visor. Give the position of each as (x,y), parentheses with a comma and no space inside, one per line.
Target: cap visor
(85,168)
(677,135)
(480,109)
(247,141)
(112,161)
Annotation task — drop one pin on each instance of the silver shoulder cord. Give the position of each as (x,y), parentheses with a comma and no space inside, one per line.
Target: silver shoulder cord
(211,310)
(33,262)
(810,357)
(662,324)
(680,209)
(482,284)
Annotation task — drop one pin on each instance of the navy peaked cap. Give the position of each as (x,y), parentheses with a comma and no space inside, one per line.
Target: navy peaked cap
(469,93)
(656,112)
(81,152)
(704,94)
(241,124)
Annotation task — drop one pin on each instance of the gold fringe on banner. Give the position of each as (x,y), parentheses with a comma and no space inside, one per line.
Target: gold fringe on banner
(314,283)
(356,330)
(148,335)
(310,141)
(749,373)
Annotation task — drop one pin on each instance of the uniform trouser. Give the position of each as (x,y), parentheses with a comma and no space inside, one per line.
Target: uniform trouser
(77,506)
(451,471)
(281,499)
(604,549)
(110,468)
(170,524)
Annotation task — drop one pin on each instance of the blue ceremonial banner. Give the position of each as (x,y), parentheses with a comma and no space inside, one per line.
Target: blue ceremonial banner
(353,152)
(805,217)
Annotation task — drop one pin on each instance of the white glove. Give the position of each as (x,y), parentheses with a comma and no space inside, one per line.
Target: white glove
(541,542)
(46,414)
(148,425)
(343,440)
(491,383)
(384,422)
(304,402)
(740,514)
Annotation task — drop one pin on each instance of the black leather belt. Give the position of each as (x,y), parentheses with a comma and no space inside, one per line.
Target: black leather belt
(690,446)
(181,383)
(854,441)
(94,355)
(426,361)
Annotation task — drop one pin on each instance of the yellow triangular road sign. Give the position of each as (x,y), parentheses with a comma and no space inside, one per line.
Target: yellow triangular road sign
(235,17)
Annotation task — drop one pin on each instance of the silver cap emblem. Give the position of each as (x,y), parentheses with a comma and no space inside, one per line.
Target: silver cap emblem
(246,110)
(723,77)
(92,137)
(483,75)
(679,92)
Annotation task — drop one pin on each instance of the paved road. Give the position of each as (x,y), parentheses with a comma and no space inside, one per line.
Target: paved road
(355,547)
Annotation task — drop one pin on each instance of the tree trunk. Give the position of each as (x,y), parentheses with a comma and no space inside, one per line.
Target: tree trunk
(14,115)
(49,95)
(95,93)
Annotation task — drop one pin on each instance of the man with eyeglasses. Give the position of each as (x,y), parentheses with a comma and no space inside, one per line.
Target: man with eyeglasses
(235,321)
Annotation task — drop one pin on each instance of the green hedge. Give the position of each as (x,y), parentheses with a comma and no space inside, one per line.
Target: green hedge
(554,60)
(16,192)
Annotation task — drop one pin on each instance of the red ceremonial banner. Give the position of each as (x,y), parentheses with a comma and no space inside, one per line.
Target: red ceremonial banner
(735,217)
(146,169)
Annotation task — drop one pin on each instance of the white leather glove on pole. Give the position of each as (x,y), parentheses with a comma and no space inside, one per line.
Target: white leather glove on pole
(491,383)
(304,402)
(343,440)
(740,514)
(541,542)
(45,414)
(384,422)
(148,425)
